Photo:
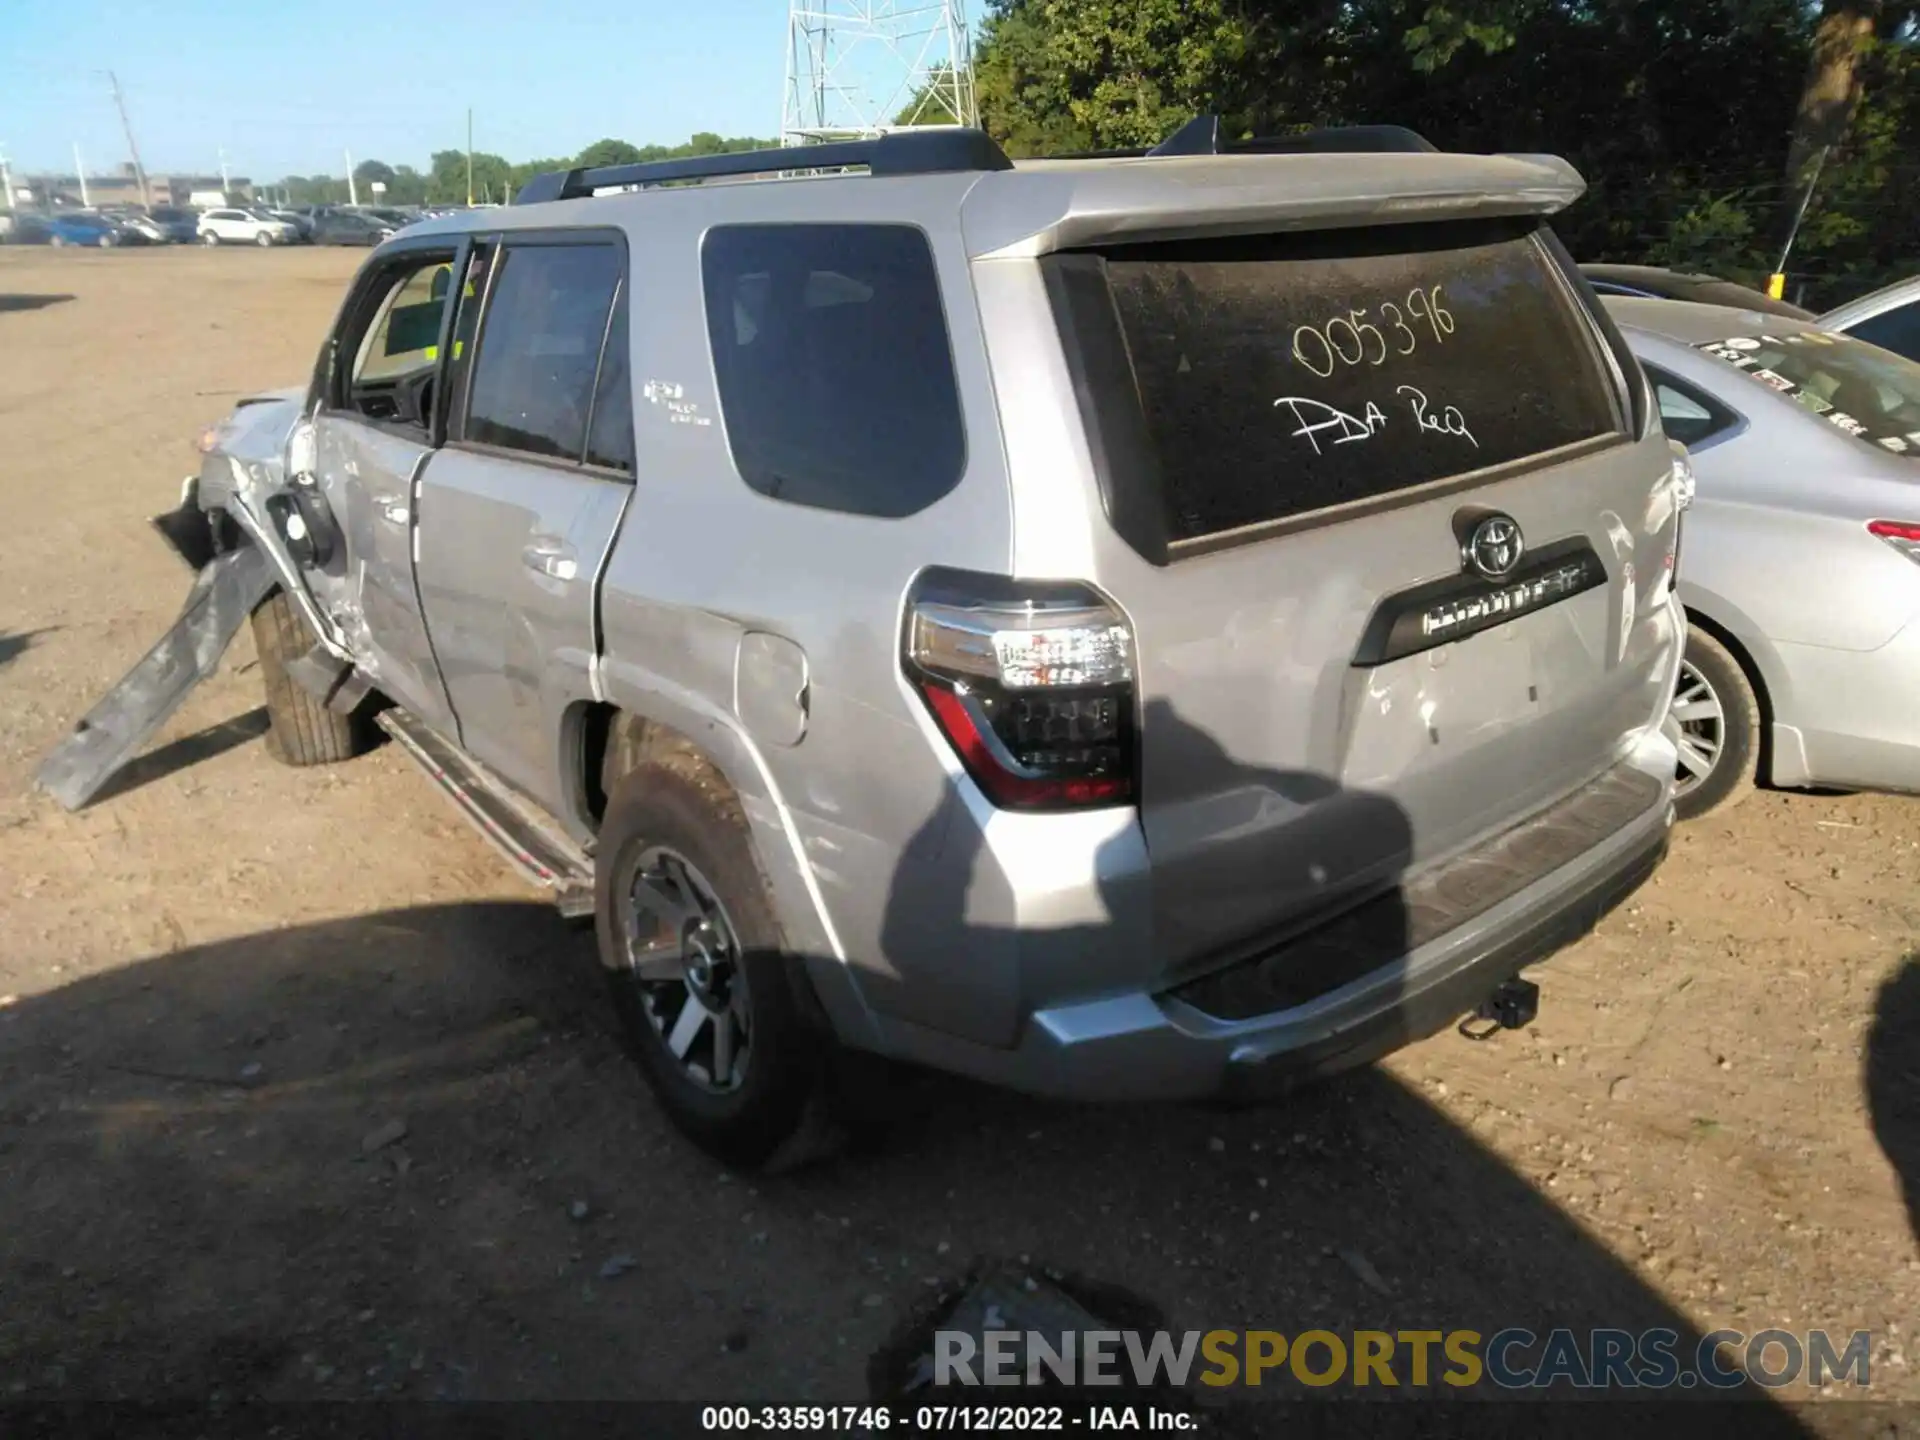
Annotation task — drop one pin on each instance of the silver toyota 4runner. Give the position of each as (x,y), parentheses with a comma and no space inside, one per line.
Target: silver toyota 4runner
(1139,626)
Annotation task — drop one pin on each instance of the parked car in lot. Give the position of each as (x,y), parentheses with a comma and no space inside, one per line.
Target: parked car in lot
(928,619)
(1800,569)
(1655,282)
(349,227)
(182,225)
(302,226)
(232,226)
(141,227)
(1889,318)
(89,230)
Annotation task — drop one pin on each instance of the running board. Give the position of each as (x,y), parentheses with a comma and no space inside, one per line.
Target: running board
(531,845)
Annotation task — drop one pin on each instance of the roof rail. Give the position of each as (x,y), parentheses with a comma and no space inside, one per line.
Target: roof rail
(1201,136)
(930,151)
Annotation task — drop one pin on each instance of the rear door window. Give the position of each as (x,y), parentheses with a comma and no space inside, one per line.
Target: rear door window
(834,367)
(1281,375)
(532,382)
(1897,330)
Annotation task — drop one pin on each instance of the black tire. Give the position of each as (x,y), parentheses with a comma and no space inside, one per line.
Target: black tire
(776,1113)
(304,731)
(1710,672)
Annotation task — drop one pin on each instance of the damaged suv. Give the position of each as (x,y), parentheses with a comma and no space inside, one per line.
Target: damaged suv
(1137,626)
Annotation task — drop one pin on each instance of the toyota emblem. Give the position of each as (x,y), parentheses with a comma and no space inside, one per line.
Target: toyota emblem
(1493,547)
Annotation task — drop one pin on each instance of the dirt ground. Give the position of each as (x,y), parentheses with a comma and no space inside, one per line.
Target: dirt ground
(227,981)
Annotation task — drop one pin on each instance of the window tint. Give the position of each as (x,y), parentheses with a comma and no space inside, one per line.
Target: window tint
(835,370)
(1872,394)
(1685,414)
(610,443)
(532,382)
(1897,330)
(1282,374)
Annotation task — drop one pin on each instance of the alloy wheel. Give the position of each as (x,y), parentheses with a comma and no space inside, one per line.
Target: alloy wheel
(1696,723)
(685,959)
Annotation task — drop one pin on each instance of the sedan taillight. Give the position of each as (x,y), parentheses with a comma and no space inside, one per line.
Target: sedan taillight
(1903,535)
(1032,685)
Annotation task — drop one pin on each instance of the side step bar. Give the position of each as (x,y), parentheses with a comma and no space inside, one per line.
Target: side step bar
(532,845)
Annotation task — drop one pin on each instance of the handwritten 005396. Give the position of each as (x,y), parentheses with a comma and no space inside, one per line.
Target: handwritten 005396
(1353,339)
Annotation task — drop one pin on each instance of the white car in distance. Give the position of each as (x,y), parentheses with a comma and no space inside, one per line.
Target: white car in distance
(228,226)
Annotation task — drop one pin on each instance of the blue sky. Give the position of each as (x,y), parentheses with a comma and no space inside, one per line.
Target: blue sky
(286,85)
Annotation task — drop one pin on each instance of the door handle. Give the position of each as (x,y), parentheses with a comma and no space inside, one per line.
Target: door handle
(392,509)
(553,558)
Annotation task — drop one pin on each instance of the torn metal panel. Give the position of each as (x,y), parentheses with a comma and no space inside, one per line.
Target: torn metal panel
(224,594)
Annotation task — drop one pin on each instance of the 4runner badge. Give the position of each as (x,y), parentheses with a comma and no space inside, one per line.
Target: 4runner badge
(1493,547)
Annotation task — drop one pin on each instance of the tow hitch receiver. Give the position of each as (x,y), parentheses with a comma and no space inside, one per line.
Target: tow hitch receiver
(224,594)
(1511,1007)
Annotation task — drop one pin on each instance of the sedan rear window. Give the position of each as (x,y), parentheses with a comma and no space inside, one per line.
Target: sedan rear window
(1283,374)
(1870,393)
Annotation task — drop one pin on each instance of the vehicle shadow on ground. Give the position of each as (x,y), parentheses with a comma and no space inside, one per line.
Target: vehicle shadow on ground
(1893,1080)
(13,646)
(30,302)
(186,752)
(403,1154)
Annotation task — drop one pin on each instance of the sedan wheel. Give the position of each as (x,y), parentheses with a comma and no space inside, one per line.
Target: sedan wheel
(1697,726)
(1714,725)
(263,239)
(209,238)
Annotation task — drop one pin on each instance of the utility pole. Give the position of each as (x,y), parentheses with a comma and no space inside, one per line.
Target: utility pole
(80,172)
(469,157)
(353,191)
(6,182)
(139,170)
(225,183)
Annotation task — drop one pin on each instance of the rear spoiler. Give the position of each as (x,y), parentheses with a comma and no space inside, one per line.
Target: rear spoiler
(1058,205)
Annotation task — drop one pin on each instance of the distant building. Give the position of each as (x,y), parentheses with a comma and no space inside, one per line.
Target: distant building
(120,187)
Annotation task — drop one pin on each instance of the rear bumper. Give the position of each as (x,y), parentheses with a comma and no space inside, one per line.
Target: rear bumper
(1602,843)
(1854,715)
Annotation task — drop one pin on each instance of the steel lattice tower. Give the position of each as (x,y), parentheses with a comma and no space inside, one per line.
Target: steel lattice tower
(863,67)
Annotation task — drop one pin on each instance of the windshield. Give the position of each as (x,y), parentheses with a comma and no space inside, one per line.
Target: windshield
(1870,393)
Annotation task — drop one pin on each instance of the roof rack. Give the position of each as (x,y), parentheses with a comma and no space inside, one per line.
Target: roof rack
(1201,136)
(930,151)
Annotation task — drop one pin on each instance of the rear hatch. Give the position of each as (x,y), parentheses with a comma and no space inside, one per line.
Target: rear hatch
(1379,527)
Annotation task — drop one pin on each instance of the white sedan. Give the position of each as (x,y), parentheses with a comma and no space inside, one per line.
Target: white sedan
(237,227)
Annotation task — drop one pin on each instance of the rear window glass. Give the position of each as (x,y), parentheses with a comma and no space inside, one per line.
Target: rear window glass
(1870,393)
(1897,330)
(532,382)
(1283,374)
(834,367)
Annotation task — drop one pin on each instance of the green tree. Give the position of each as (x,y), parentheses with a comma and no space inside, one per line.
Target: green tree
(373,172)
(932,103)
(608,152)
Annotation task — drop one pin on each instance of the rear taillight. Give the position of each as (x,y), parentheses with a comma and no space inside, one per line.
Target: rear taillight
(1903,535)
(1031,685)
